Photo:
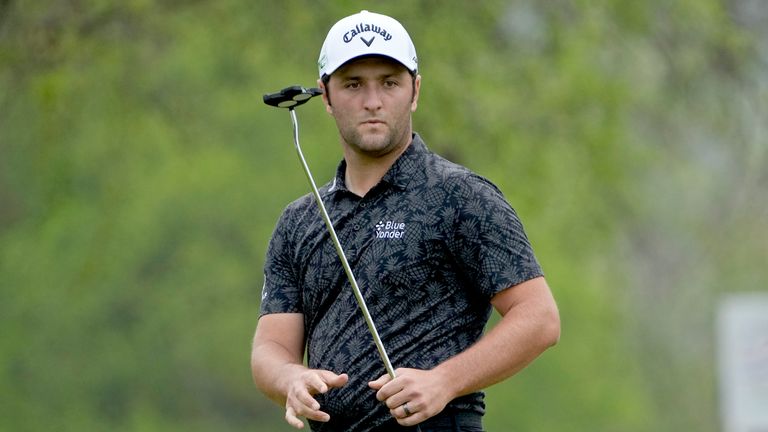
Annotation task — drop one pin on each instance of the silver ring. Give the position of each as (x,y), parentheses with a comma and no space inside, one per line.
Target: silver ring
(407,411)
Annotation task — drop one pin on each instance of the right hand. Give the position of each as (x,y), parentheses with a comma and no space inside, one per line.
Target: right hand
(300,401)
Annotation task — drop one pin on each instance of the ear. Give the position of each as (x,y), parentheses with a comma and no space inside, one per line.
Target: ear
(416,88)
(326,101)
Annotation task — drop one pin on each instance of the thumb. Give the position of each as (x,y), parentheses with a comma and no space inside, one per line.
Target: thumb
(379,383)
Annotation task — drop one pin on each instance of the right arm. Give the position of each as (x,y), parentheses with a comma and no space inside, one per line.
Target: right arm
(278,369)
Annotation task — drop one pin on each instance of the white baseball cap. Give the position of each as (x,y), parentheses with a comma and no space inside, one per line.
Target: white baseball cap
(366,33)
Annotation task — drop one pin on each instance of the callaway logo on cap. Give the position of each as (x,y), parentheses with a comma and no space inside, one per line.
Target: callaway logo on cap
(366,33)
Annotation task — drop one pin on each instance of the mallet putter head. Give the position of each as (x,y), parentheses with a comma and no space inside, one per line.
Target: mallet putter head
(291,97)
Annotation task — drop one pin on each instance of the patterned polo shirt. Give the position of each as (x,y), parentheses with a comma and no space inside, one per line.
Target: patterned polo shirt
(429,245)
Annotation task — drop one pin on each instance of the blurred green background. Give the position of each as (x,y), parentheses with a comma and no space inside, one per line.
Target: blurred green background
(141,176)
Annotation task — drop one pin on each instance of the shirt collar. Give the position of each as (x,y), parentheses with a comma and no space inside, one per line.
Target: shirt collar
(398,175)
(405,167)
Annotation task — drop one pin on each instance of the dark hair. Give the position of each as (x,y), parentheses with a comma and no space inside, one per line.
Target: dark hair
(326,79)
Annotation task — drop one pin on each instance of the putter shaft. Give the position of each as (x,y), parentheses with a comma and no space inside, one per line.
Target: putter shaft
(340,251)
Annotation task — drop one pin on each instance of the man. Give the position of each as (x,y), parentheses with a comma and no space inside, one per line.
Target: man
(433,245)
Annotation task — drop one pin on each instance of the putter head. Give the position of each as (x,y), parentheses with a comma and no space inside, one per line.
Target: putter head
(291,97)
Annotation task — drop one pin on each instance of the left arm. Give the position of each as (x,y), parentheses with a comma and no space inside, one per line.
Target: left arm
(529,325)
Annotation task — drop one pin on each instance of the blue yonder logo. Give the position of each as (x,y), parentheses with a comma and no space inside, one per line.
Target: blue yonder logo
(390,229)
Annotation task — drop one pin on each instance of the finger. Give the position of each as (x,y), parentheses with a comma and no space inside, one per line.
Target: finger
(303,410)
(397,400)
(408,421)
(315,383)
(399,412)
(317,415)
(379,382)
(411,420)
(303,404)
(306,400)
(300,395)
(390,392)
(333,380)
(290,417)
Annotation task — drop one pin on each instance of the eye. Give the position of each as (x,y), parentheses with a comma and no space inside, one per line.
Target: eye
(390,83)
(352,85)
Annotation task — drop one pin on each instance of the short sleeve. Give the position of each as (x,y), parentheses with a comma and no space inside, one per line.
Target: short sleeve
(488,238)
(281,293)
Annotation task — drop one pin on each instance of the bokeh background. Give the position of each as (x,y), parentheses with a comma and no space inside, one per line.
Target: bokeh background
(141,176)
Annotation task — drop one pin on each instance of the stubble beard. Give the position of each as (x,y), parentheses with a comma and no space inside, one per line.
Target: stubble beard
(369,144)
(376,144)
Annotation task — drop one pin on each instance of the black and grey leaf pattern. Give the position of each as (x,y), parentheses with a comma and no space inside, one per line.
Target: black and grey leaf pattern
(430,245)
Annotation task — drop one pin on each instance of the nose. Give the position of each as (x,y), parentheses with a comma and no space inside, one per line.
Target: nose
(372,97)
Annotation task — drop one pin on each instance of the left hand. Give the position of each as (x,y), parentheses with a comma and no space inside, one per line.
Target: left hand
(425,392)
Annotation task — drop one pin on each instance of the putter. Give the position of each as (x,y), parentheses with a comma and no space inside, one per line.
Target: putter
(291,97)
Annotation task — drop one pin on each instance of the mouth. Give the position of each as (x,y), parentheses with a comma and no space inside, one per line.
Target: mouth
(373,122)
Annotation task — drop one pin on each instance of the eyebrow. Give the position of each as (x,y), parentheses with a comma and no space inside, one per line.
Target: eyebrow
(382,76)
(360,78)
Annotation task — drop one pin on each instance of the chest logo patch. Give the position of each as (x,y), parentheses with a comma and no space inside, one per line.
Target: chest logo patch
(390,229)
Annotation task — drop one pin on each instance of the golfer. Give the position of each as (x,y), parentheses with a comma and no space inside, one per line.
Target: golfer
(434,246)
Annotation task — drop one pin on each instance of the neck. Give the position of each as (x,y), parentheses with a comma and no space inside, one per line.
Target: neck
(363,172)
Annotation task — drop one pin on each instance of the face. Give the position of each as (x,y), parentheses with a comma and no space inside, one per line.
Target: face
(372,100)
